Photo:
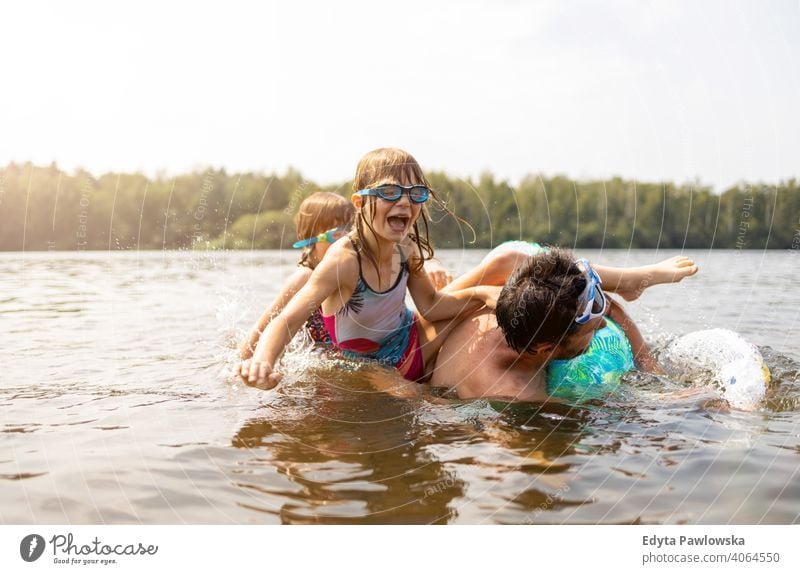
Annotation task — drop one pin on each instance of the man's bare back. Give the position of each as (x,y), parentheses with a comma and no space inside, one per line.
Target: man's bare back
(476,361)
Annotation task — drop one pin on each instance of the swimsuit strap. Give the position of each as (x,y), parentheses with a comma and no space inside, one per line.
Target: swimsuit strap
(358,253)
(403,269)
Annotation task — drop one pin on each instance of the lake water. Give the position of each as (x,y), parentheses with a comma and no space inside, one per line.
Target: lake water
(117,406)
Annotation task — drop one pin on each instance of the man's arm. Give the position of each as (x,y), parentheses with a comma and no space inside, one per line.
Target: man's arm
(436,305)
(641,353)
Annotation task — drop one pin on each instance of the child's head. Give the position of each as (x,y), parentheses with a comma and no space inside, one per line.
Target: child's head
(390,166)
(320,212)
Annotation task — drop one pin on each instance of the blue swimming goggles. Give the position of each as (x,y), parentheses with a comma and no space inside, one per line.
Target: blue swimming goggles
(592,302)
(330,236)
(393,192)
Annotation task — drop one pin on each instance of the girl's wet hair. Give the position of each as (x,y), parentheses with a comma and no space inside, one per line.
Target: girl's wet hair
(318,213)
(392,165)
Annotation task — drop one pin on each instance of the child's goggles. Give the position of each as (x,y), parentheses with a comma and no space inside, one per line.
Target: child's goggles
(592,302)
(330,236)
(393,192)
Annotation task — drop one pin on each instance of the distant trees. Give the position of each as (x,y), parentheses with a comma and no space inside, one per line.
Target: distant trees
(45,208)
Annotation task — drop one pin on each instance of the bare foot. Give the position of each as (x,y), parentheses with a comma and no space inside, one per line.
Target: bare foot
(670,270)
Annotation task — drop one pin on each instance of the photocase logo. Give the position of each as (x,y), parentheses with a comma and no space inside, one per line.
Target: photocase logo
(31,547)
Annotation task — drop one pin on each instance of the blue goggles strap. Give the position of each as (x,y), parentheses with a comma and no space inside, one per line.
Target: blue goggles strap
(306,242)
(325,236)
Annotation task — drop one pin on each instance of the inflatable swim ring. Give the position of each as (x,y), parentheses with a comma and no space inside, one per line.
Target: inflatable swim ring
(518,246)
(595,372)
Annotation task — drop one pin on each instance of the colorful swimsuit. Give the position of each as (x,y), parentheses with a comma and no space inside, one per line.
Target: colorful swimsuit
(315,327)
(377,326)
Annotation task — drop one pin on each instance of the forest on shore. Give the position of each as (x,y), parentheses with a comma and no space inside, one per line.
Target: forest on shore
(46,208)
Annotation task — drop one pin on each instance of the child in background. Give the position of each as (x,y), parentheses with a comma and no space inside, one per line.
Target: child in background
(321,219)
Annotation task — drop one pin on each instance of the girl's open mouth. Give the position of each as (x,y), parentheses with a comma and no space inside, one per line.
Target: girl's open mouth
(398,222)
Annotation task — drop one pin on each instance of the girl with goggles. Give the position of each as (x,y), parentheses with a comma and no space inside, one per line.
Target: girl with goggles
(362,284)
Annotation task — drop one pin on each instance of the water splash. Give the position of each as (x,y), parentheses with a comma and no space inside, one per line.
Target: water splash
(721,358)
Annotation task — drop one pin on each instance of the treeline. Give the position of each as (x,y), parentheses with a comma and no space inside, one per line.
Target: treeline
(45,208)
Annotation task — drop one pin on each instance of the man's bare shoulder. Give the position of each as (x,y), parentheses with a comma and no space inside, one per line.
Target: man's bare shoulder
(477,362)
(483,324)
(471,355)
(473,334)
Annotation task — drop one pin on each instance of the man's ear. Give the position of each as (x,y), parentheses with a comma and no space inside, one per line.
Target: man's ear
(357,200)
(543,349)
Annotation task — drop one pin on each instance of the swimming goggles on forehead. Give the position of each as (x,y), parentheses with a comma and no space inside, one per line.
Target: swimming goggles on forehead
(393,192)
(592,302)
(330,236)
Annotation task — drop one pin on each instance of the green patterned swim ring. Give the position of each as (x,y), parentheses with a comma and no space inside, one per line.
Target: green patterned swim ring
(595,372)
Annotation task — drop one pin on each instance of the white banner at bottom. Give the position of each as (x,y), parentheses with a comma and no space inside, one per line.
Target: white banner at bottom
(389,549)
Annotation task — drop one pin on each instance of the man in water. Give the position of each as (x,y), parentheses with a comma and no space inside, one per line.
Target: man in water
(550,308)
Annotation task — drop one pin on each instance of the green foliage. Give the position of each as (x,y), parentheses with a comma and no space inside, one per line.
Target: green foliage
(45,208)
(268,230)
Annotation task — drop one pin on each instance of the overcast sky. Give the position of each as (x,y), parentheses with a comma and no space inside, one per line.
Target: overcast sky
(647,90)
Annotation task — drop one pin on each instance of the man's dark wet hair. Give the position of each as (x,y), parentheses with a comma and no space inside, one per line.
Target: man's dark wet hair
(539,302)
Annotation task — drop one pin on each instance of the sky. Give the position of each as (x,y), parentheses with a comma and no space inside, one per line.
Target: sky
(647,90)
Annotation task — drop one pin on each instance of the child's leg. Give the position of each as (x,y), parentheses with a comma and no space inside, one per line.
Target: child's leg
(630,282)
(391,383)
(492,271)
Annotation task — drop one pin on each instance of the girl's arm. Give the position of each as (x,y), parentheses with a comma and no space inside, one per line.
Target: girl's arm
(440,305)
(290,288)
(338,271)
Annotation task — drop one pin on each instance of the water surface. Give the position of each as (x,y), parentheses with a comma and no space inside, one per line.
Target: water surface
(118,407)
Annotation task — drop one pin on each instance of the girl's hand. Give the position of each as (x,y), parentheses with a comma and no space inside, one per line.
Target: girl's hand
(259,374)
